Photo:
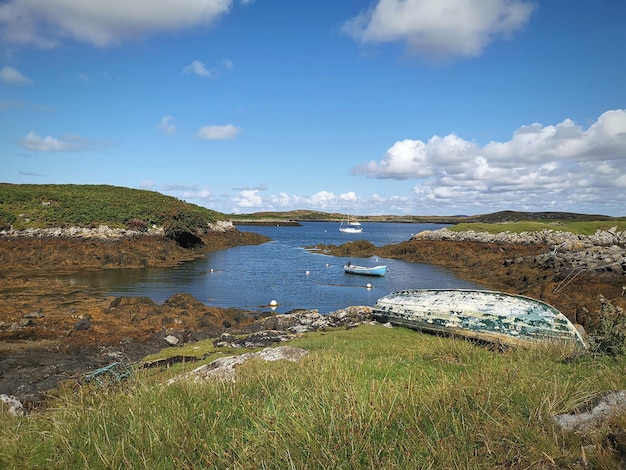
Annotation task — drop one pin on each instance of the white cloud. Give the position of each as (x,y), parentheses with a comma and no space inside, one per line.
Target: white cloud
(440,29)
(219,132)
(49,144)
(13,77)
(166,126)
(348,197)
(280,200)
(540,165)
(101,23)
(198,68)
(248,198)
(198,194)
(323,199)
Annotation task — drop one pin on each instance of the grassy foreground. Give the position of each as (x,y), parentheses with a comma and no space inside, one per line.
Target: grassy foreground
(369,397)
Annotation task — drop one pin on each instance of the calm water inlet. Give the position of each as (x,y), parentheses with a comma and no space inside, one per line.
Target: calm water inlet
(250,277)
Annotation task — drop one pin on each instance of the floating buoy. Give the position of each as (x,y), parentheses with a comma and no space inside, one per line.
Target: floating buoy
(369,286)
(211,269)
(273,303)
(307,273)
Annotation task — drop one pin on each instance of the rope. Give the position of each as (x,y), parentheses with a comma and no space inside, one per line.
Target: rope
(569,278)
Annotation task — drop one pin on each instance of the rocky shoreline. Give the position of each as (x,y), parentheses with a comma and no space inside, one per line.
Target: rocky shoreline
(51,331)
(566,251)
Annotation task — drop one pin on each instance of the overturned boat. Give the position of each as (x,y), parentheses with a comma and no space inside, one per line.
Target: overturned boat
(485,315)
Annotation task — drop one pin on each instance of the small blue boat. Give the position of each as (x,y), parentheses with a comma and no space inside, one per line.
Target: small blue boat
(365,270)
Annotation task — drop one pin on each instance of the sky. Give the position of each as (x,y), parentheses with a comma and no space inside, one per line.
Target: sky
(368,107)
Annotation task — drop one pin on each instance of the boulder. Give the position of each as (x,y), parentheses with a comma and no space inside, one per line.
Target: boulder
(223,369)
(11,405)
(172,340)
(593,414)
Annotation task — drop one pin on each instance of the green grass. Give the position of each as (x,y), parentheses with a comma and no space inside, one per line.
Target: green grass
(587,227)
(369,397)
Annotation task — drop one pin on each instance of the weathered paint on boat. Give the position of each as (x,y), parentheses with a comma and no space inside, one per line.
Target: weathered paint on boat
(491,316)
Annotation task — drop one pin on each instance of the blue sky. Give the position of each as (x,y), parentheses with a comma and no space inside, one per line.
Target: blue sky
(422,107)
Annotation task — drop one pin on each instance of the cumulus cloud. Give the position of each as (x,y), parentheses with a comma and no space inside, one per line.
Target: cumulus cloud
(166,126)
(45,24)
(321,200)
(50,144)
(219,132)
(538,165)
(248,198)
(13,77)
(348,197)
(440,29)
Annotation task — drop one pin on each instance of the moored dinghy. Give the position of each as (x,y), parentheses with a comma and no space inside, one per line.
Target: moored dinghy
(365,270)
(486,315)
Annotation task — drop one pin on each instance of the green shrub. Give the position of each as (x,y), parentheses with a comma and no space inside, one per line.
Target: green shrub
(62,205)
(609,336)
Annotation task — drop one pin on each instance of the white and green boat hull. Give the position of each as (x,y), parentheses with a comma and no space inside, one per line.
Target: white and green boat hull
(485,315)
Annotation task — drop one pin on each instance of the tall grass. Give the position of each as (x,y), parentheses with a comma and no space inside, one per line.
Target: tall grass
(370,397)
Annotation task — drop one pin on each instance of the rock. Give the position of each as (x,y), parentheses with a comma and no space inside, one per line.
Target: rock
(603,250)
(83,324)
(223,369)
(32,315)
(594,414)
(11,405)
(561,240)
(258,339)
(23,322)
(172,340)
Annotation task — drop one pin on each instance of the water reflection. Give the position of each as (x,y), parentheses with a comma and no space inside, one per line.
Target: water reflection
(250,277)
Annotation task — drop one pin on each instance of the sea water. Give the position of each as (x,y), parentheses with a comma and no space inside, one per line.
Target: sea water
(284,272)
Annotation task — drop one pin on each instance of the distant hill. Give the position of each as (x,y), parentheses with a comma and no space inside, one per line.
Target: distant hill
(496,217)
(61,205)
(512,216)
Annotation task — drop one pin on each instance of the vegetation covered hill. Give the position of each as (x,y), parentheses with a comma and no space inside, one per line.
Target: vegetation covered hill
(60,205)
(25,206)
(493,218)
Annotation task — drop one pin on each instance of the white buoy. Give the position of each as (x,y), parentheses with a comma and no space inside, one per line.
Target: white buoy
(211,269)
(307,273)
(273,303)
(369,286)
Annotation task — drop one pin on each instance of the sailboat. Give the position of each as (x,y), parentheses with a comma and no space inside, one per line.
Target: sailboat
(348,226)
